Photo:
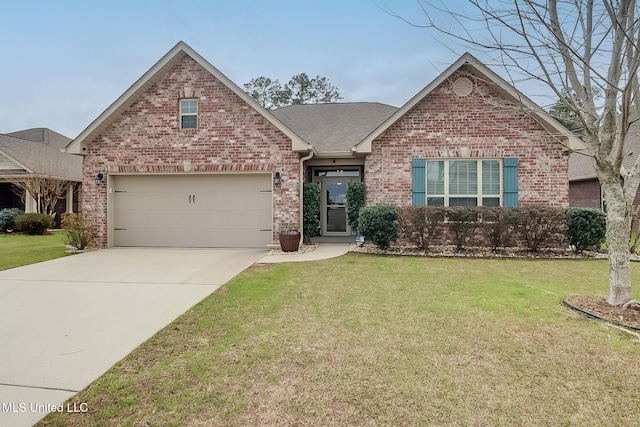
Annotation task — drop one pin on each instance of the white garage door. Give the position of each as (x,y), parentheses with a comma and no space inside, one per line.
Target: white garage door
(197,211)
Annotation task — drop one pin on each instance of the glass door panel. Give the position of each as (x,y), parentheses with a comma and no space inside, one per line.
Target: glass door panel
(335,220)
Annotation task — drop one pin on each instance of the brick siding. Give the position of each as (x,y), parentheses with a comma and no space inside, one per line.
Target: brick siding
(481,125)
(231,137)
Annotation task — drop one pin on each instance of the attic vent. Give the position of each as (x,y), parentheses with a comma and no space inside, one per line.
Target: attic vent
(462,86)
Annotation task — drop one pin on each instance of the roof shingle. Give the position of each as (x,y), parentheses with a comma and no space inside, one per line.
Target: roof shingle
(333,128)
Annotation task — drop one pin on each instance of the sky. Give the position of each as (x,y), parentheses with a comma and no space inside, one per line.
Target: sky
(64,62)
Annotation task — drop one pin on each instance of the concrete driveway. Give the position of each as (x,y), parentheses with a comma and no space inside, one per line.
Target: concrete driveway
(63,323)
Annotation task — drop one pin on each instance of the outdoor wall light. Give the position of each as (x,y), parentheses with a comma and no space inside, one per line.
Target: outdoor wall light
(99,179)
(276,178)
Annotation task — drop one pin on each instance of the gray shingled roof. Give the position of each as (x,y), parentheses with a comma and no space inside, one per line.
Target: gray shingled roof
(334,128)
(38,150)
(583,167)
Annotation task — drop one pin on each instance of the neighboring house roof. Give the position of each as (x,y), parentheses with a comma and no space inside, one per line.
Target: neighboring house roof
(38,152)
(582,167)
(157,71)
(42,135)
(555,128)
(334,128)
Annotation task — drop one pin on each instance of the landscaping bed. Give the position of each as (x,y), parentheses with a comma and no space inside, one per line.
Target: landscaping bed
(478,252)
(600,309)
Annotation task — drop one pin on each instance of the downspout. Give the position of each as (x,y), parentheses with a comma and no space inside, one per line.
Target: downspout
(302,160)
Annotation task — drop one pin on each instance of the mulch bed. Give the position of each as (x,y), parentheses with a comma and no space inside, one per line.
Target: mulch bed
(478,252)
(598,307)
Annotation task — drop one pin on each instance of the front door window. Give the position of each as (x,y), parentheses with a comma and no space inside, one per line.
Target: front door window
(336,211)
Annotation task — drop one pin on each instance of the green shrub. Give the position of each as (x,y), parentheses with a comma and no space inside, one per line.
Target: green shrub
(7,219)
(356,196)
(463,223)
(33,223)
(80,234)
(379,225)
(420,224)
(586,228)
(310,210)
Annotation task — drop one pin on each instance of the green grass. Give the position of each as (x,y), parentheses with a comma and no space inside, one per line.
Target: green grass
(19,249)
(373,340)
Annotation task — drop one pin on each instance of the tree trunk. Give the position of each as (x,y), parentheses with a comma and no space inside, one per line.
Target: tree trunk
(618,228)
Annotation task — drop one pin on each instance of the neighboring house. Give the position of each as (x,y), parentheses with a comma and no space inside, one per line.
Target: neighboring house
(584,187)
(37,153)
(189,159)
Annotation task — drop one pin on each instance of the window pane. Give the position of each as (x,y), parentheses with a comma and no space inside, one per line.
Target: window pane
(490,177)
(491,201)
(435,201)
(463,201)
(189,122)
(435,177)
(463,177)
(189,106)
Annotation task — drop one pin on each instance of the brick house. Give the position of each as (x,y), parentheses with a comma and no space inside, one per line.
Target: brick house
(36,153)
(584,187)
(189,159)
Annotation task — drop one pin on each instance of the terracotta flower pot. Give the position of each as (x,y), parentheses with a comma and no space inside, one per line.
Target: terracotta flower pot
(289,241)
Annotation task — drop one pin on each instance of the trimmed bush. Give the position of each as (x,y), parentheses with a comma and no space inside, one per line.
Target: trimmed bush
(310,210)
(541,226)
(378,224)
(356,196)
(586,228)
(80,234)
(498,225)
(463,222)
(420,224)
(33,223)
(7,219)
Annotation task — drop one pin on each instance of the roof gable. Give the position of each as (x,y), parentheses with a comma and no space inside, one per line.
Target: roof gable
(555,129)
(154,74)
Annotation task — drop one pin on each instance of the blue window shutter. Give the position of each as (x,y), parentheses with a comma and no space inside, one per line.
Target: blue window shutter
(510,181)
(418,182)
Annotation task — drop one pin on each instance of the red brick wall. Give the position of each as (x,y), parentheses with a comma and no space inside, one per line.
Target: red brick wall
(231,136)
(480,125)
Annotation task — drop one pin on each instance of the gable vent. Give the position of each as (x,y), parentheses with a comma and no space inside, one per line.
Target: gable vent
(462,86)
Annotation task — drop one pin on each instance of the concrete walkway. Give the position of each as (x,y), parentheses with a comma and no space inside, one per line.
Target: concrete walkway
(323,251)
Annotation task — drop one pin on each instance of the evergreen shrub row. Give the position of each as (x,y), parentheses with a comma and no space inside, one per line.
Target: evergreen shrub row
(530,227)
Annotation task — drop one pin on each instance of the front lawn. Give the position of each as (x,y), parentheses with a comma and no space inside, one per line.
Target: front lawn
(375,340)
(19,249)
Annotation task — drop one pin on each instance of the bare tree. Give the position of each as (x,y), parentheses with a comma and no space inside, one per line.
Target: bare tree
(45,190)
(587,53)
(47,176)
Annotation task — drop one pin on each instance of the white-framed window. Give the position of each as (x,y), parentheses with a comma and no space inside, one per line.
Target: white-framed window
(463,182)
(188,113)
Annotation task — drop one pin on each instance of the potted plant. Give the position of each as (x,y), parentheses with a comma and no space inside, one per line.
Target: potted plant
(289,238)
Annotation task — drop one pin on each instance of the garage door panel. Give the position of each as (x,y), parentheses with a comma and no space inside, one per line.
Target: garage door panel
(232,210)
